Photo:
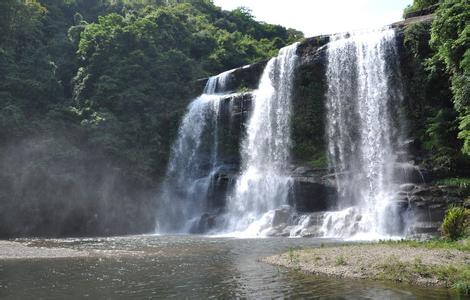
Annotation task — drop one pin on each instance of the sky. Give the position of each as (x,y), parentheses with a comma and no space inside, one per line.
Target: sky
(316,17)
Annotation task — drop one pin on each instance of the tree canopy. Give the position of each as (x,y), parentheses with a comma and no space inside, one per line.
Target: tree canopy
(92,91)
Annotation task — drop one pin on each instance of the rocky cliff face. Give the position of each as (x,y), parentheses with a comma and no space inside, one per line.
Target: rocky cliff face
(314,189)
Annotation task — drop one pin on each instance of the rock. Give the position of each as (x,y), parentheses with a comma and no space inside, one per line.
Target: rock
(410,173)
(246,76)
(466,203)
(312,196)
(421,191)
(437,206)
(422,12)
(205,223)
(454,200)
(282,216)
(407,187)
(312,231)
(287,230)
(424,227)
(403,203)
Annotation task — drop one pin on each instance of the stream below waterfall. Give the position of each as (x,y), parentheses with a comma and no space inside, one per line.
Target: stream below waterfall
(182,267)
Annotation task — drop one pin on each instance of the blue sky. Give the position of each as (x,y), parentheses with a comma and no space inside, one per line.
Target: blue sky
(315,17)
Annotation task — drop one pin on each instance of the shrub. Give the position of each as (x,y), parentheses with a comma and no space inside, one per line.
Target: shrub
(460,182)
(341,261)
(456,222)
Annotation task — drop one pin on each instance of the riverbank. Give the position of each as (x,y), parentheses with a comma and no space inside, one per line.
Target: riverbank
(422,264)
(49,249)
(16,250)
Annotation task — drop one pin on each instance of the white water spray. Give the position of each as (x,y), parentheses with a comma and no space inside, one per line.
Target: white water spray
(264,183)
(193,161)
(361,128)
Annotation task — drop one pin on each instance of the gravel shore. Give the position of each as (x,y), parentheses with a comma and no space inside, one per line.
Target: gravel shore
(32,250)
(16,250)
(376,261)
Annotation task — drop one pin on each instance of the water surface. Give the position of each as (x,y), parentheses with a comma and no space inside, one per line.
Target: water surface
(184,267)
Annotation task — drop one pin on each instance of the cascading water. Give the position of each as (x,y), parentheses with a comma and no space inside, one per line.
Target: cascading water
(362,124)
(193,161)
(264,184)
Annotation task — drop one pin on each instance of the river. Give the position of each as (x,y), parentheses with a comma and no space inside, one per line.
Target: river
(182,267)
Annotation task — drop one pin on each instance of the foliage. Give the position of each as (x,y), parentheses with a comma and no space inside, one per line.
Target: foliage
(293,256)
(319,161)
(451,39)
(434,112)
(463,183)
(456,223)
(108,80)
(457,277)
(441,125)
(340,261)
(418,5)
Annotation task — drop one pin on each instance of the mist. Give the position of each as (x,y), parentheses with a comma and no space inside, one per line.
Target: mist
(50,187)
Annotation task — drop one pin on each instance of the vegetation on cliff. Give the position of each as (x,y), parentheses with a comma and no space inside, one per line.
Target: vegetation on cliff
(418,5)
(451,39)
(91,93)
(437,82)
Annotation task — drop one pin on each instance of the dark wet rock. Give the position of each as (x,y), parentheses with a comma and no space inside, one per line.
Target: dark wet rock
(428,191)
(311,196)
(312,190)
(222,184)
(205,223)
(306,173)
(407,187)
(312,50)
(429,204)
(410,173)
(246,77)
(402,203)
(424,230)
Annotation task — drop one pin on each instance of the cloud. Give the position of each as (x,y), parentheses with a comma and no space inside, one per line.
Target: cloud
(315,17)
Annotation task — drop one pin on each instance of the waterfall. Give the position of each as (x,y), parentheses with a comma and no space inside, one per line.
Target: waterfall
(264,184)
(193,161)
(362,134)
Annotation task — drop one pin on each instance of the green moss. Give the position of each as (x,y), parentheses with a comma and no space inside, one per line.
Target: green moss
(319,161)
(244,89)
(308,118)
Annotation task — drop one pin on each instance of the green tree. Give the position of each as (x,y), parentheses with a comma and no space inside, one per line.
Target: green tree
(451,40)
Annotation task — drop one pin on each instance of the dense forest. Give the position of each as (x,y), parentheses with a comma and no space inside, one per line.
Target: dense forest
(91,93)
(439,73)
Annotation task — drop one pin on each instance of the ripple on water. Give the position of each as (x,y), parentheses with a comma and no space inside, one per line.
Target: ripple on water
(183,267)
